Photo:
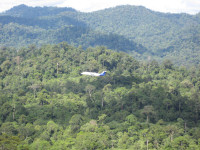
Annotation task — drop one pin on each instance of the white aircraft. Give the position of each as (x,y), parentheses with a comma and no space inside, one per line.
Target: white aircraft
(94,73)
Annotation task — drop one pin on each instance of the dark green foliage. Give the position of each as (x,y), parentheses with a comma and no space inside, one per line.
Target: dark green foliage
(9,142)
(141,32)
(46,104)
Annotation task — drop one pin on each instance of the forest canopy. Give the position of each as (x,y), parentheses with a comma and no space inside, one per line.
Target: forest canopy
(47,104)
(141,32)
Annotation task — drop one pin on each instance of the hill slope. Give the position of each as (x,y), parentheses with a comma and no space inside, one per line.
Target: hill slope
(46,104)
(165,35)
(136,30)
(54,25)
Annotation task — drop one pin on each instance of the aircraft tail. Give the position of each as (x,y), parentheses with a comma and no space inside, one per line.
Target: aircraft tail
(103,73)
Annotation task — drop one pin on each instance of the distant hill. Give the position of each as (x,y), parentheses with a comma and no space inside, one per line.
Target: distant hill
(163,34)
(134,29)
(35,12)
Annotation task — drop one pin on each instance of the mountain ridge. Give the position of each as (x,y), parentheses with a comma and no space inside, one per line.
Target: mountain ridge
(155,34)
(30,12)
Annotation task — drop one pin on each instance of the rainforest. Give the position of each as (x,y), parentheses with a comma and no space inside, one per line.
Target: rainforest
(47,104)
(149,98)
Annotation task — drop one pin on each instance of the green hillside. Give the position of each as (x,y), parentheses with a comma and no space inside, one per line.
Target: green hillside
(35,12)
(47,104)
(172,36)
(139,31)
(148,100)
(49,25)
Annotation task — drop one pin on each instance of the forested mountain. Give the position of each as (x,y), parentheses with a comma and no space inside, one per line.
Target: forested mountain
(35,12)
(46,104)
(165,35)
(54,25)
(139,31)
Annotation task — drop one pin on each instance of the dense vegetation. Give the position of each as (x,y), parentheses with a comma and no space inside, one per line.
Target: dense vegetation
(49,25)
(46,104)
(139,31)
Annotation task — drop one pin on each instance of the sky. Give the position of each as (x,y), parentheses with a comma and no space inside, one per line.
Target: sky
(172,6)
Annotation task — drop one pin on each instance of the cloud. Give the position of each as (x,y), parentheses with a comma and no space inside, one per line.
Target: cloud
(173,6)
(192,6)
(90,5)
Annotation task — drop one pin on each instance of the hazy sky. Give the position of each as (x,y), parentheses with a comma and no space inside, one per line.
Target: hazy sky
(173,6)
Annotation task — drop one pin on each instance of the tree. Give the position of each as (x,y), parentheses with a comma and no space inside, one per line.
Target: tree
(183,142)
(40,144)
(171,130)
(26,131)
(6,111)
(43,97)
(123,141)
(120,96)
(34,87)
(17,59)
(76,122)
(167,64)
(9,142)
(102,118)
(9,128)
(131,119)
(90,88)
(148,111)
(107,88)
